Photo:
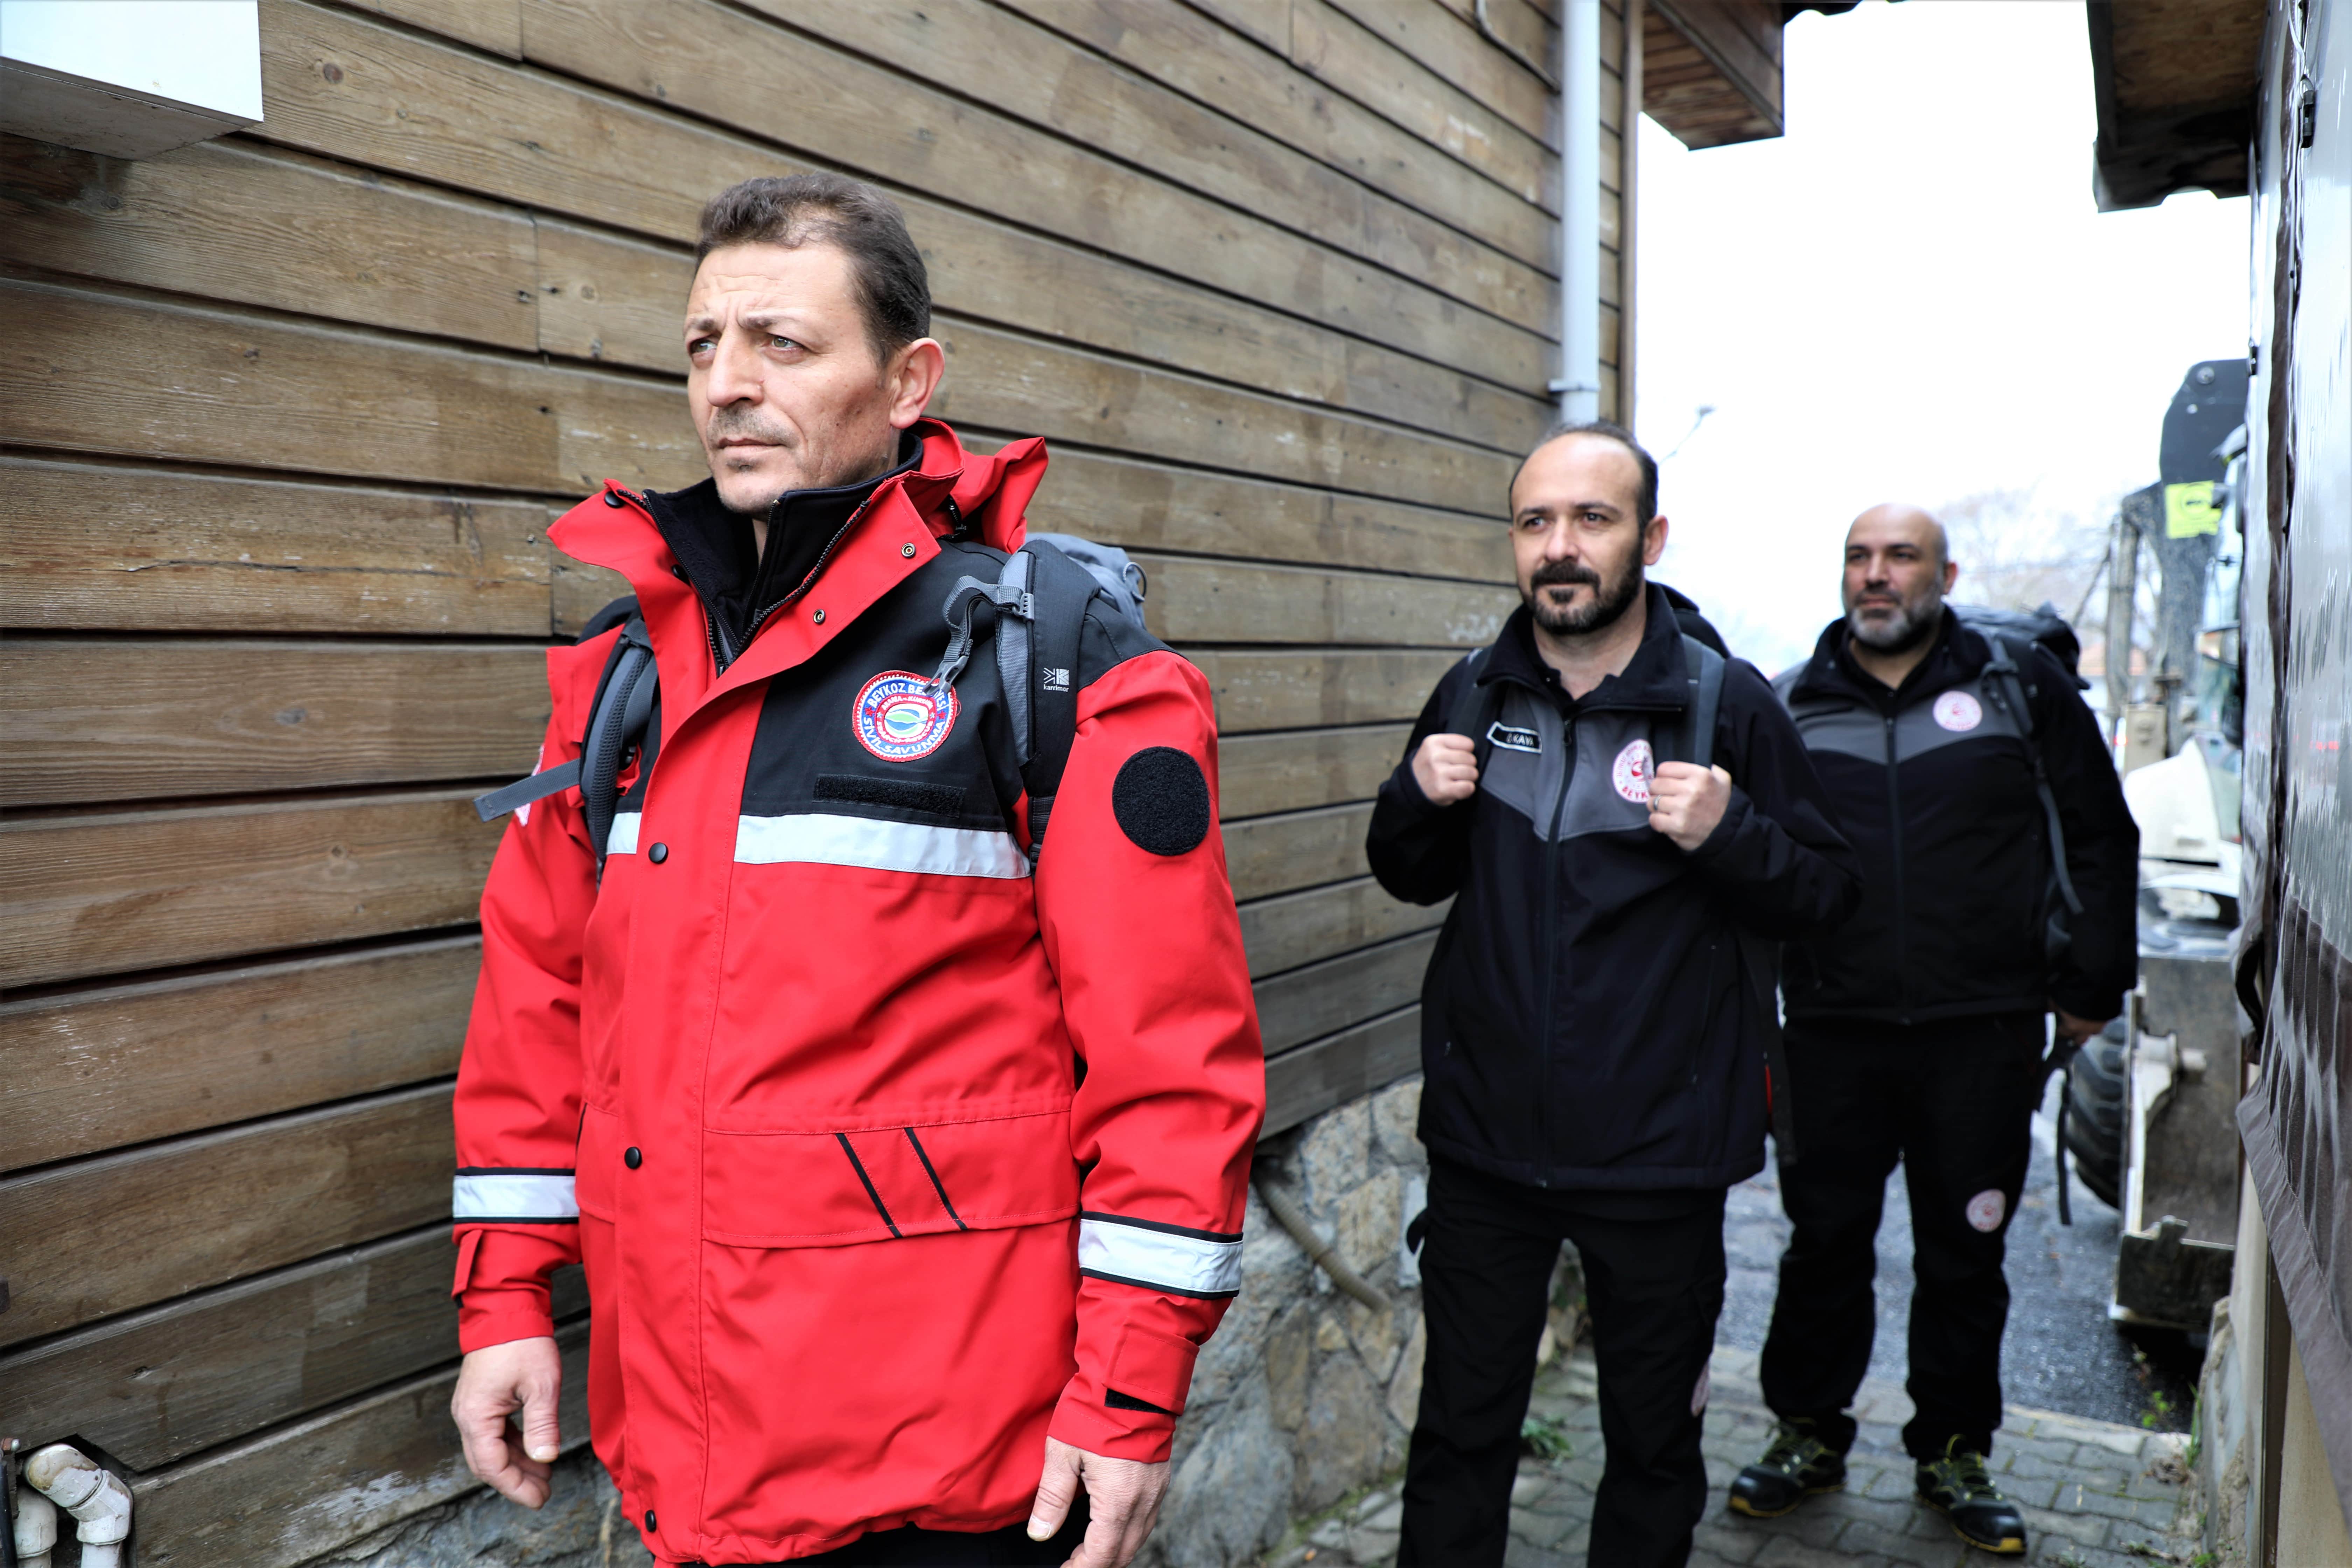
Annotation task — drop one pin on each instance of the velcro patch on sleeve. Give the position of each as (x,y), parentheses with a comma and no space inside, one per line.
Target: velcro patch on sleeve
(1161,801)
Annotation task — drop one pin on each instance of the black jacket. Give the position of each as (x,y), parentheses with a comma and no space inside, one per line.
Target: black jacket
(1586,1021)
(1934,785)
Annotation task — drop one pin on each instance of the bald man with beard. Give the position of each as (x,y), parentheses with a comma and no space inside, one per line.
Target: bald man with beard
(1915,1031)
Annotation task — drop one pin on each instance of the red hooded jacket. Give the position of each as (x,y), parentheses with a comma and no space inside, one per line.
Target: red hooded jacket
(888,1153)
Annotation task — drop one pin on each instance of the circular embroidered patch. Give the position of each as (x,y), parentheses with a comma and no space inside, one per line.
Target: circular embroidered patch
(1957,711)
(1985,1210)
(898,718)
(1631,772)
(1161,801)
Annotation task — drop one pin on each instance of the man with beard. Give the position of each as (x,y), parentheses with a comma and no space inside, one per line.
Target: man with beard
(1915,1031)
(1597,1017)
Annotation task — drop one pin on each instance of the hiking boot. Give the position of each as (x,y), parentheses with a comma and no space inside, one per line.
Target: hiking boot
(1956,1487)
(1795,1466)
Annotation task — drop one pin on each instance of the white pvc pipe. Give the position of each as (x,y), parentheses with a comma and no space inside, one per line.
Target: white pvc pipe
(1579,386)
(37,1530)
(97,1498)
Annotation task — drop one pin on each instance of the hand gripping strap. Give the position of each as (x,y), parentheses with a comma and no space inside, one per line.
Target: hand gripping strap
(1475,710)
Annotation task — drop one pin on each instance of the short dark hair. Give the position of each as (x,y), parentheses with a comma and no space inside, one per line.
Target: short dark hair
(894,291)
(1646,504)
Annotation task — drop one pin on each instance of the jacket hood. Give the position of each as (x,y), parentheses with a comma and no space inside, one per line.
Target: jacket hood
(1654,678)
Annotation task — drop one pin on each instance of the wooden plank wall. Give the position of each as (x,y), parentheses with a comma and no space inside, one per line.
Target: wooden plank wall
(283,418)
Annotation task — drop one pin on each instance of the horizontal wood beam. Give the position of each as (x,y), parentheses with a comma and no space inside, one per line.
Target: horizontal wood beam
(154,1386)
(1339,992)
(1285,689)
(112,892)
(1289,930)
(284,1497)
(1347,1065)
(1293,770)
(91,1070)
(83,1241)
(1223,601)
(104,547)
(92,719)
(1302,848)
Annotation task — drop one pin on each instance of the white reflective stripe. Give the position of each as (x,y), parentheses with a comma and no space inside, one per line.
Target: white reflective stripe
(882,846)
(1189,1263)
(514,1195)
(623,839)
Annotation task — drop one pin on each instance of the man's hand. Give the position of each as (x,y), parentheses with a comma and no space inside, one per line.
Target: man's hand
(2074,1030)
(1687,801)
(1123,1494)
(495,1383)
(1446,769)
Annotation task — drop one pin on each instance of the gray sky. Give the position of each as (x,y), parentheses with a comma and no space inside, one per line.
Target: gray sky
(1909,296)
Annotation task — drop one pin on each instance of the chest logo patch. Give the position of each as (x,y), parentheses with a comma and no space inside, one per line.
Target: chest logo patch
(1513,739)
(1629,773)
(1957,711)
(898,718)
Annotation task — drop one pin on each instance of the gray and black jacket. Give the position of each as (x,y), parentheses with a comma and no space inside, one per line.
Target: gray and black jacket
(1587,1022)
(1934,783)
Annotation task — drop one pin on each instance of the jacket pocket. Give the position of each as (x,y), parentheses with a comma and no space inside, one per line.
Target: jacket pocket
(597,1165)
(879,1184)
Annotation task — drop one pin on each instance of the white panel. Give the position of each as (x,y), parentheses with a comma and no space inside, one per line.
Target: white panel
(511,1194)
(881,845)
(1191,1265)
(623,839)
(199,54)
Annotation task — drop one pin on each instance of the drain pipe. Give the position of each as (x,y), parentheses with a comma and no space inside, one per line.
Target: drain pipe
(1578,384)
(96,1498)
(1320,1254)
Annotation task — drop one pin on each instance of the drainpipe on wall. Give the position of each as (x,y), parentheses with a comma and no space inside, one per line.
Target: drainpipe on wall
(1579,386)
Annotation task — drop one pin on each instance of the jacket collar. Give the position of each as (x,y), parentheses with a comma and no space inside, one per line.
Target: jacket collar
(1957,654)
(1654,678)
(714,546)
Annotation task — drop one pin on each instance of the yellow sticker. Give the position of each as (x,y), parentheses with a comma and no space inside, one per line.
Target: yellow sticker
(2188,509)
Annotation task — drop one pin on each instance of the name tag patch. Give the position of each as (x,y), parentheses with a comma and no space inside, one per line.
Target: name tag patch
(1513,740)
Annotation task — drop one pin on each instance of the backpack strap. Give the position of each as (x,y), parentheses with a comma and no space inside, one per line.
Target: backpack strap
(1704,668)
(1476,710)
(1059,595)
(2007,667)
(618,717)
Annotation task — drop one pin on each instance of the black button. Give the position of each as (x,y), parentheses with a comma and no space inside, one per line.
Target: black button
(678,573)
(613,497)
(658,854)
(633,1157)
(651,1528)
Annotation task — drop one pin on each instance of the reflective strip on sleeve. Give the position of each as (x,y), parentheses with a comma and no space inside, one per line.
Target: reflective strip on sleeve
(521,1197)
(1160,1258)
(826,840)
(622,840)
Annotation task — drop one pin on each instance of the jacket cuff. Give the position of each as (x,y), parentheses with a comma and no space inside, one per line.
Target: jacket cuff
(1735,812)
(501,1287)
(1409,796)
(1084,1420)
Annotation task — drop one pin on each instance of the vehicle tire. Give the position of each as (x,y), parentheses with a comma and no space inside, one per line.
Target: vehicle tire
(2095,1114)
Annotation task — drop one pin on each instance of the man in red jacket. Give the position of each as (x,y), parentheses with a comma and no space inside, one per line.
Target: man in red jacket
(906,1154)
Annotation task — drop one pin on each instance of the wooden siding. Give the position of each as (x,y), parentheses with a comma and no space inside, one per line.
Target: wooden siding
(283,418)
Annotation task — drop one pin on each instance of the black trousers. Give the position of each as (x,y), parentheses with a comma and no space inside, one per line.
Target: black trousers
(1954,1101)
(1654,1277)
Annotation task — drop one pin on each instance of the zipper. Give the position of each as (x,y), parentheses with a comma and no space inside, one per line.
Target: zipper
(761,617)
(1550,938)
(1902,916)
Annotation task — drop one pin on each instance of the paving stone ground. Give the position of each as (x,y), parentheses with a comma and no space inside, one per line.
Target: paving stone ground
(2095,1495)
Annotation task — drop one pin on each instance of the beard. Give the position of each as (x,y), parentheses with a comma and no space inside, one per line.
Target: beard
(1898,631)
(1609,600)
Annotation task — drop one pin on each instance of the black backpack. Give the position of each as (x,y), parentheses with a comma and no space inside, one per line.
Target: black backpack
(1048,585)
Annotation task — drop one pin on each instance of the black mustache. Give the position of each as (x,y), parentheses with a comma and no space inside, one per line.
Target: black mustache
(1560,573)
